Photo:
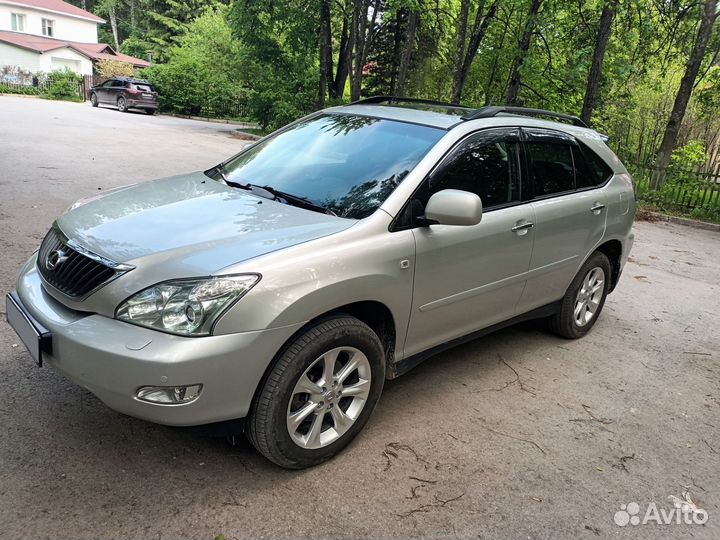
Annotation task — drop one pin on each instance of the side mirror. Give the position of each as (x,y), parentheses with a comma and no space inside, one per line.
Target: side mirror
(247,145)
(454,207)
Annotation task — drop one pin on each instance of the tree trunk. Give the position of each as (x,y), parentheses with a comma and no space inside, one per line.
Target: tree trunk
(692,68)
(480,27)
(397,39)
(343,65)
(592,90)
(514,86)
(412,25)
(326,67)
(360,12)
(114,26)
(460,48)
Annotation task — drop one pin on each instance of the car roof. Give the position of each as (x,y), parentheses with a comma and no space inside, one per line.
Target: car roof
(447,116)
(400,113)
(466,119)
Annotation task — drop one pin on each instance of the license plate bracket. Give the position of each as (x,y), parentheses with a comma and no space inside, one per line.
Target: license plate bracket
(36,338)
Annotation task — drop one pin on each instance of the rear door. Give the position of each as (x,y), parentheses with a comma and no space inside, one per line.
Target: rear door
(570,214)
(471,277)
(114,90)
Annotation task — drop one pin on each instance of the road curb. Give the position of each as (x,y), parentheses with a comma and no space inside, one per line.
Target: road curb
(695,224)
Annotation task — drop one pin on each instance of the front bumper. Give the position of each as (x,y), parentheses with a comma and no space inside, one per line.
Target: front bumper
(112,359)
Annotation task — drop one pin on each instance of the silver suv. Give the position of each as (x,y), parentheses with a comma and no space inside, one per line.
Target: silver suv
(281,288)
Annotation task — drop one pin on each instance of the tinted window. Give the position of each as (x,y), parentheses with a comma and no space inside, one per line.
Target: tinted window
(551,167)
(118,84)
(349,164)
(143,87)
(597,170)
(486,165)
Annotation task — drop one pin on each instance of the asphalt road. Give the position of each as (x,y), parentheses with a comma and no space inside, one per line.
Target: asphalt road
(519,434)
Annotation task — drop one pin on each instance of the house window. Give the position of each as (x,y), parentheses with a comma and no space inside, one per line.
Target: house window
(17,22)
(47,27)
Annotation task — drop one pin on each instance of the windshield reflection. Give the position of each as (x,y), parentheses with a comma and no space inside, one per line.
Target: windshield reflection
(348,164)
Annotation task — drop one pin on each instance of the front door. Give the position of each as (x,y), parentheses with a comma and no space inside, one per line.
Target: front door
(471,277)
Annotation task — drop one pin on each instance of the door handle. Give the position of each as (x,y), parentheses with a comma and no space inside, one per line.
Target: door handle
(522,227)
(595,209)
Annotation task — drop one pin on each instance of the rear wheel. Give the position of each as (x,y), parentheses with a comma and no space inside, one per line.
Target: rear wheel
(319,394)
(584,299)
(122,104)
(93,99)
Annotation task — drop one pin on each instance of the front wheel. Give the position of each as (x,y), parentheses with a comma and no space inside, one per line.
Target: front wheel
(319,394)
(584,299)
(122,104)
(94,99)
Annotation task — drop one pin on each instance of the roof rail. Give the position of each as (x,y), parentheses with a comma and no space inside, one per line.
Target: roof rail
(376,100)
(493,110)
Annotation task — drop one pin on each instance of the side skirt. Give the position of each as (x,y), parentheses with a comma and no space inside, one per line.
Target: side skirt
(406,364)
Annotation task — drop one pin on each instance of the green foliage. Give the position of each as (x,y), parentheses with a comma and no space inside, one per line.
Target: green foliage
(202,70)
(63,85)
(690,156)
(711,214)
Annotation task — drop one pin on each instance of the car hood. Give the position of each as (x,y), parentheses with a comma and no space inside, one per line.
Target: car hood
(194,223)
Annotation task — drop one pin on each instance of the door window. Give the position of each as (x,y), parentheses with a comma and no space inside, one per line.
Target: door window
(551,167)
(487,165)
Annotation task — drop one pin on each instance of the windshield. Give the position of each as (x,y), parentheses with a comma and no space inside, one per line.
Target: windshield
(347,164)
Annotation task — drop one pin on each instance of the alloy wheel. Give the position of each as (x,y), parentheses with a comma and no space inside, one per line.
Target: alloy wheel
(329,397)
(589,297)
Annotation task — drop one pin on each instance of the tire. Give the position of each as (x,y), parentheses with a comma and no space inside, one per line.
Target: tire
(93,99)
(122,104)
(150,111)
(576,316)
(301,365)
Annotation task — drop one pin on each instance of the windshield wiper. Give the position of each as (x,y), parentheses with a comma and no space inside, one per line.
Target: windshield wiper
(220,169)
(277,195)
(297,200)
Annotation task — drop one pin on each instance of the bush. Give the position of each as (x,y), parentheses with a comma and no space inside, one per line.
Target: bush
(63,85)
(202,72)
(107,69)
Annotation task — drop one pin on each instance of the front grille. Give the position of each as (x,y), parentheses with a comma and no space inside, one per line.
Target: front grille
(67,269)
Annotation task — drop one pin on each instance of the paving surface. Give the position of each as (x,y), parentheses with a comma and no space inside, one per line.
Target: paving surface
(519,434)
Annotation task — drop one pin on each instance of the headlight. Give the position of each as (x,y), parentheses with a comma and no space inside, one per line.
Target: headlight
(188,307)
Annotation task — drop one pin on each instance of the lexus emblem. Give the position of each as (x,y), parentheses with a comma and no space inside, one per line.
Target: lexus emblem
(54,259)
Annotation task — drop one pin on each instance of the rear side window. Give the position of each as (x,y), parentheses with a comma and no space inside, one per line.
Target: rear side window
(551,167)
(487,165)
(591,169)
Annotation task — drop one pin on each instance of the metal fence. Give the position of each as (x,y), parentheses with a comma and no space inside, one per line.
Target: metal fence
(676,188)
(225,109)
(21,88)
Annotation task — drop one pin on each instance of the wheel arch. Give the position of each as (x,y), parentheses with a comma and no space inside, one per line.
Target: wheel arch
(612,249)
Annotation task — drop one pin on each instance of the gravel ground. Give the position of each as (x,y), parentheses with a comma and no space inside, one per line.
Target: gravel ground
(519,434)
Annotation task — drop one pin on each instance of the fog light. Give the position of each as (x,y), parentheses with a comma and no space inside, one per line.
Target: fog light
(169,395)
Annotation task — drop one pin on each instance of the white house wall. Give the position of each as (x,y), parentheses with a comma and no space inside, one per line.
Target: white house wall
(59,59)
(34,62)
(15,56)
(65,27)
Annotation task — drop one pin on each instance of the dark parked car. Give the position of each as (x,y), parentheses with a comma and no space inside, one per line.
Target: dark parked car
(125,93)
